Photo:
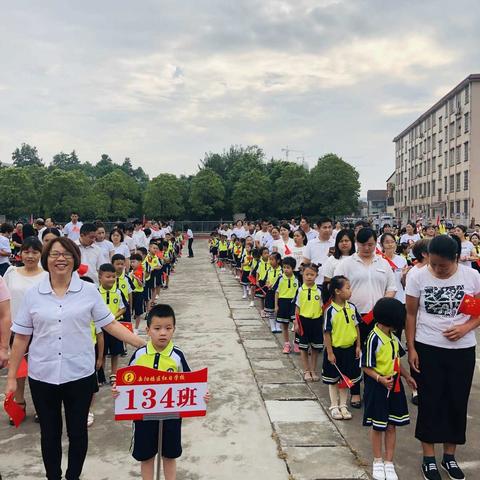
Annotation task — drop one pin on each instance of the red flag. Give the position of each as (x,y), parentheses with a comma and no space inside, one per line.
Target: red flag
(14,410)
(470,306)
(396,369)
(22,371)
(287,250)
(82,269)
(378,252)
(252,279)
(368,317)
(138,273)
(127,325)
(300,326)
(219,264)
(345,382)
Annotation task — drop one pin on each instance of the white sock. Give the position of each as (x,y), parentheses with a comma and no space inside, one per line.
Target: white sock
(333,392)
(343,392)
(273,323)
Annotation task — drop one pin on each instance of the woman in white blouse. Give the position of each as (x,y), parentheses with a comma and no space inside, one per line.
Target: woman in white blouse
(19,280)
(119,246)
(56,317)
(344,247)
(282,242)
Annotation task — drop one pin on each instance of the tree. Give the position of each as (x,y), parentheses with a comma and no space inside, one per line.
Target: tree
(252,194)
(104,166)
(163,197)
(207,194)
(334,186)
(26,156)
(18,192)
(291,190)
(119,193)
(65,161)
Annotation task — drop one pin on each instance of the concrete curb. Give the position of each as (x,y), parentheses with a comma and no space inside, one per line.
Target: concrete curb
(309,442)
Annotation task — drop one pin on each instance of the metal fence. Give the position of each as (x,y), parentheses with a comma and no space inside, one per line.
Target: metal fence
(197,226)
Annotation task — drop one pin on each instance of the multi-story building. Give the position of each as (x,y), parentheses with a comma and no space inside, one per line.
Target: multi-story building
(437,159)
(391,194)
(376,202)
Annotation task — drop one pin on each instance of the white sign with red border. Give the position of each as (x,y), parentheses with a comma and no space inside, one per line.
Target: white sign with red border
(145,391)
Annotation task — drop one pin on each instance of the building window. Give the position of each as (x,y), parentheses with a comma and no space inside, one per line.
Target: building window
(465,152)
(452,209)
(452,131)
(434,141)
(445,184)
(452,185)
(445,133)
(440,126)
(451,157)
(466,118)
(450,105)
(459,128)
(445,159)
(433,187)
(458,151)
(439,171)
(440,143)
(465,180)
(434,164)
(457,182)
(434,119)
(458,206)
(465,207)
(467,97)
(428,189)
(428,167)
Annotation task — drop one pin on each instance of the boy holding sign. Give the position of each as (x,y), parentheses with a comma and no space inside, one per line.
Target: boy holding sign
(160,354)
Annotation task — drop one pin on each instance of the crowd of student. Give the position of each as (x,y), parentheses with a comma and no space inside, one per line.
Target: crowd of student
(351,293)
(67,295)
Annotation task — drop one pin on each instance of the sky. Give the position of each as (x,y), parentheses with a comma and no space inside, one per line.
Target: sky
(164,82)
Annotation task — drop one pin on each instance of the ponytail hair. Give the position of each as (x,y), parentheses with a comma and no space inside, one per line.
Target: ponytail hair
(336,283)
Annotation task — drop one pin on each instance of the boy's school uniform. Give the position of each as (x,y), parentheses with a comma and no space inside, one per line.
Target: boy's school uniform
(286,289)
(222,250)
(309,303)
(138,305)
(273,274)
(125,286)
(145,433)
(113,300)
(261,273)
(341,323)
(246,264)
(381,353)
(237,255)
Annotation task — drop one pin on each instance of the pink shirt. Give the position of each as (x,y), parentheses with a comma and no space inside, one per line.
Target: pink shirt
(4,293)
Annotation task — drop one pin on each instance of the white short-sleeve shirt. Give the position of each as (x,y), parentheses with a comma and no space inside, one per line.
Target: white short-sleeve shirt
(62,349)
(369,281)
(5,245)
(330,266)
(439,300)
(122,249)
(317,251)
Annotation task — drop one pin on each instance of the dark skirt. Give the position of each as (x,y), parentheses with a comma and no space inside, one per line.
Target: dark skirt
(444,384)
(261,291)
(383,409)
(346,362)
(244,280)
(312,333)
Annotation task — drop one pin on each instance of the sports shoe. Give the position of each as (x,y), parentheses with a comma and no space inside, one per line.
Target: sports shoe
(415,398)
(252,304)
(287,348)
(378,471)
(430,471)
(296,348)
(453,470)
(90,419)
(390,473)
(244,295)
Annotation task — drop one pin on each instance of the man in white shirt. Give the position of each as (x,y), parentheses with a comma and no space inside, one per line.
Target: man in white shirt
(310,233)
(40,227)
(130,242)
(317,249)
(139,236)
(72,228)
(263,238)
(92,256)
(293,225)
(5,251)
(190,241)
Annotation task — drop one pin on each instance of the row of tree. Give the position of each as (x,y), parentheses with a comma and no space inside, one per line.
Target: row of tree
(239,180)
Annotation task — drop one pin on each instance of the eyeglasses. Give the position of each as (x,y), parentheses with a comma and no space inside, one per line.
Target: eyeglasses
(65,255)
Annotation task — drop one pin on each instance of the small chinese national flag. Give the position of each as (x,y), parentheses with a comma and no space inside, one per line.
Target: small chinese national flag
(470,306)
(287,250)
(368,317)
(300,326)
(14,410)
(396,369)
(22,371)
(82,269)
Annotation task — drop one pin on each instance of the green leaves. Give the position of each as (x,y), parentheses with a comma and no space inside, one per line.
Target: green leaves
(207,194)
(163,197)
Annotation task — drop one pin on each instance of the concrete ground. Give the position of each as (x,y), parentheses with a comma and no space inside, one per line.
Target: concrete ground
(263,421)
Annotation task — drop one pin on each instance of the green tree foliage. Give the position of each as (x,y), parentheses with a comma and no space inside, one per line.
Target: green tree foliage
(65,161)
(26,156)
(17,189)
(207,194)
(252,194)
(163,197)
(334,185)
(291,191)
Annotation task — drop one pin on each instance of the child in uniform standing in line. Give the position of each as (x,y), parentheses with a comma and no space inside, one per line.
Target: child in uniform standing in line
(342,346)
(246,266)
(285,289)
(385,401)
(308,322)
(274,272)
(136,277)
(261,278)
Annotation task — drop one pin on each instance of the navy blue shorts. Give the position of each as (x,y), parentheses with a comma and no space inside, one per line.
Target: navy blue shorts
(286,310)
(113,346)
(145,439)
(138,302)
(312,334)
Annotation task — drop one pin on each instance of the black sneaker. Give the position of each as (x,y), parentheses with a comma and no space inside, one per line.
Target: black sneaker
(453,470)
(430,471)
(415,399)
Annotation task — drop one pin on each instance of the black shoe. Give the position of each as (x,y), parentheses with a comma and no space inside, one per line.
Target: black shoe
(453,470)
(430,471)
(357,404)
(415,399)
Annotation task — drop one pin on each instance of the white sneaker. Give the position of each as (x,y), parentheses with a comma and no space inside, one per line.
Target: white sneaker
(90,419)
(390,473)
(378,471)
(252,304)
(244,295)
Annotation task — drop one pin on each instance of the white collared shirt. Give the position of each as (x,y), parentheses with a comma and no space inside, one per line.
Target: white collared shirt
(369,281)
(62,349)
(140,239)
(93,257)
(316,251)
(72,230)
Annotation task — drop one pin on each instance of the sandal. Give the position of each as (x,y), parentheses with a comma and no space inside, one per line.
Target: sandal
(113,379)
(22,405)
(315,377)
(345,413)
(90,419)
(335,413)
(307,376)
(356,404)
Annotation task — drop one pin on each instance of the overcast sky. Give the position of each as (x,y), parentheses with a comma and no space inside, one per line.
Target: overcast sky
(163,82)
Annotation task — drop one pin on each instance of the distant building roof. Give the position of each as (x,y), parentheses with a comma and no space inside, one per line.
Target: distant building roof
(376,195)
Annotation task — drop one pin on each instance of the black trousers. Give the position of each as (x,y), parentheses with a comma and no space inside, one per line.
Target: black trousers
(364,333)
(444,384)
(76,397)
(190,249)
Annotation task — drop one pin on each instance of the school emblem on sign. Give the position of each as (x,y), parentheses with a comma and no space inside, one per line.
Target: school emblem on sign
(129,377)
